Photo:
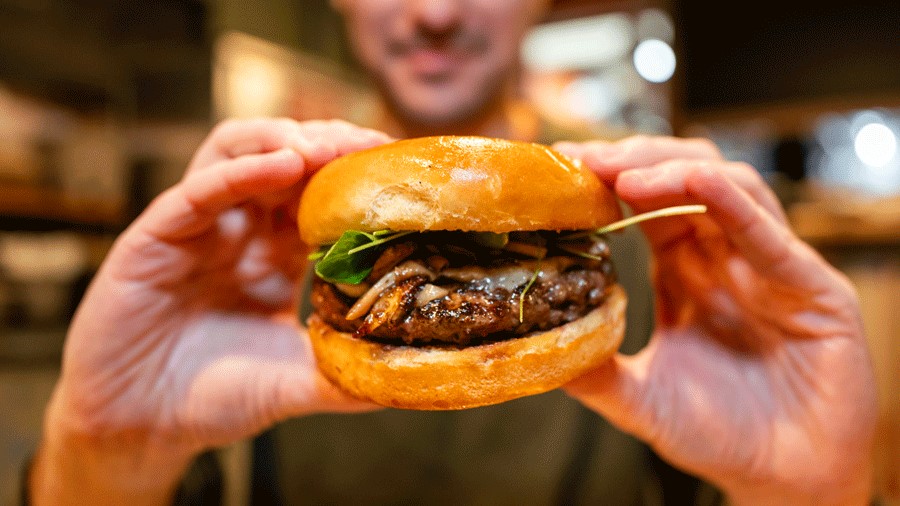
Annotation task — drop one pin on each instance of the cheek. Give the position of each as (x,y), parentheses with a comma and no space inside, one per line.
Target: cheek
(368,31)
(504,29)
(501,56)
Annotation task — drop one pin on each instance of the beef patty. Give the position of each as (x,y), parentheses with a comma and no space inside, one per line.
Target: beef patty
(470,305)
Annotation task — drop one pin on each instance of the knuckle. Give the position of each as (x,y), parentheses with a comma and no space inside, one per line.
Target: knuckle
(595,145)
(225,126)
(231,127)
(679,165)
(748,170)
(705,146)
(637,141)
(312,127)
(339,123)
(285,123)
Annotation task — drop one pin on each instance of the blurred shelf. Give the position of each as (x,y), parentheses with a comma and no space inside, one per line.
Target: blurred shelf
(786,119)
(33,208)
(31,346)
(846,223)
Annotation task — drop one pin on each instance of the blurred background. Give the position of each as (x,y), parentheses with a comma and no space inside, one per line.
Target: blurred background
(102,104)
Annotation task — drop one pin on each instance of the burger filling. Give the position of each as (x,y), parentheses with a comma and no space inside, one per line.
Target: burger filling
(465,288)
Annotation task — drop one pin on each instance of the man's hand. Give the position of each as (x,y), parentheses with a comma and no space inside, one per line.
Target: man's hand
(757,377)
(188,336)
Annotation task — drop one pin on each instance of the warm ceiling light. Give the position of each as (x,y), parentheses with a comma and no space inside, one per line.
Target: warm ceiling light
(654,60)
(875,144)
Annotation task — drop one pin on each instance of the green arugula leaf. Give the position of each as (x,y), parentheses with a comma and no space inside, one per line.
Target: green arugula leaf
(339,265)
(351,258)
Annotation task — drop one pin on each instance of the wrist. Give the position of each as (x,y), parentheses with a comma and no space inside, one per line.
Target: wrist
(83,464)
(843,492)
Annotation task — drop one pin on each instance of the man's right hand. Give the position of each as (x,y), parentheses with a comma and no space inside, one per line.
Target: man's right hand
(188,336)
(757,377)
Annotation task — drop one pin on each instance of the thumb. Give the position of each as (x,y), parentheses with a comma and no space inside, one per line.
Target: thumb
(306,392)
(616,390)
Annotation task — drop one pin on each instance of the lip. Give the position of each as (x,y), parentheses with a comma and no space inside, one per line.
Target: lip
(432,62)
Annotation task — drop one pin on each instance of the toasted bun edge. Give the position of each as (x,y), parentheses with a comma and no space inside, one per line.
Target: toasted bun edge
(439,378)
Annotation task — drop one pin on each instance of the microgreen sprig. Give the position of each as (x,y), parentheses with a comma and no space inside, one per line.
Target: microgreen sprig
(531,281)
(378,239)
(582,254)
(638,218)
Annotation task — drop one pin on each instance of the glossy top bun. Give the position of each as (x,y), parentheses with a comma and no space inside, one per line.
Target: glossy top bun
(453,183)
(441,378)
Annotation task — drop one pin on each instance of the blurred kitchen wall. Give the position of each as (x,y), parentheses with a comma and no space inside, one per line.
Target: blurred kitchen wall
(101,105)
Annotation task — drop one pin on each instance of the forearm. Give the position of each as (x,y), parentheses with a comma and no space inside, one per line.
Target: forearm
(74,466)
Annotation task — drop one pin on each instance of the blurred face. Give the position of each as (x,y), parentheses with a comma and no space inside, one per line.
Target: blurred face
(439,62)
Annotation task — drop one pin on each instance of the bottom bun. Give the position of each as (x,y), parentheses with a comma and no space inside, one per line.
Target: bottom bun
(440,378)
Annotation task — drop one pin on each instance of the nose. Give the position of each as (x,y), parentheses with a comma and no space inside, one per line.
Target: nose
(438,16)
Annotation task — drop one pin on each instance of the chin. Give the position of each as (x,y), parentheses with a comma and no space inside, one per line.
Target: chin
(442,107)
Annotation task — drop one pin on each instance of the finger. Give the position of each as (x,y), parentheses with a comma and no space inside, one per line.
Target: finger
(257,372)
(770,246)
(697,290)
(294,386)
(317,141)
(657,188)
(323,141)
(666,181)
(608,159)
(235,137)
(302,391)
(191,207)
(666,185)
(749,180)
(574,150)
(615,391)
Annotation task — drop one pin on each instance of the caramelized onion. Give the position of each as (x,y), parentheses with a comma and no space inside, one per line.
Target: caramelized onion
(403,271)
(429,293)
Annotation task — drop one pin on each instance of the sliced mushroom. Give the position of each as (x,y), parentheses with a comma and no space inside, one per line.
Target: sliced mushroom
(403,271)
(393,255)
(397,302)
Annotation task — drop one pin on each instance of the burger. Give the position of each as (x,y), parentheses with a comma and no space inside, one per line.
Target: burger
(456,272)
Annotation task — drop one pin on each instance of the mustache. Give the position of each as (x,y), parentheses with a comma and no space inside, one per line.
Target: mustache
(456,40)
